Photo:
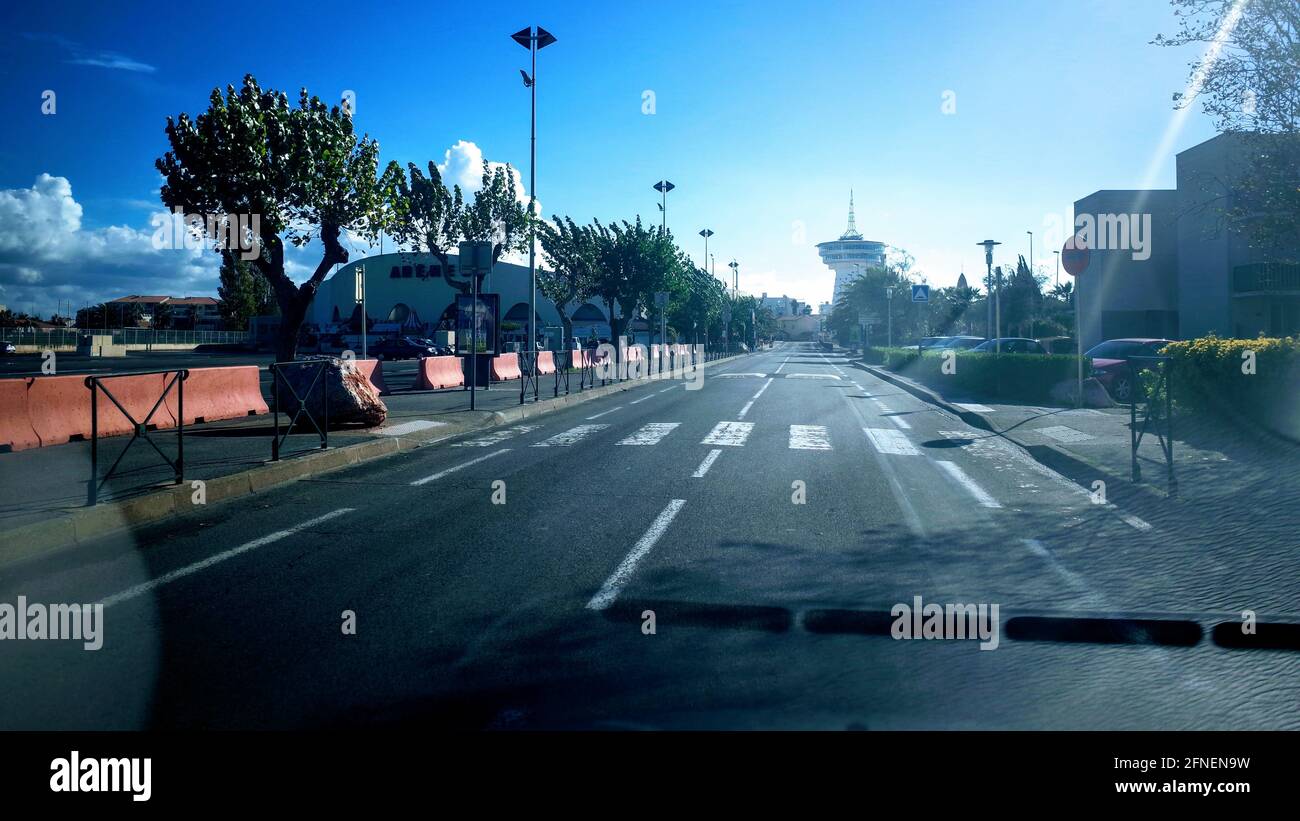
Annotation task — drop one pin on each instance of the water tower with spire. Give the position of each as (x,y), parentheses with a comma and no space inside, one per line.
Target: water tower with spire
(850,256)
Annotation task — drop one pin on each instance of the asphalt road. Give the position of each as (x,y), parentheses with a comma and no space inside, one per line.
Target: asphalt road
(530,613)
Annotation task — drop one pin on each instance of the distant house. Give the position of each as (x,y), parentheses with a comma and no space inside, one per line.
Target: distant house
(187,313)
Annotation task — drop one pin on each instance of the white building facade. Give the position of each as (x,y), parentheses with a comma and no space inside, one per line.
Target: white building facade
(850,256)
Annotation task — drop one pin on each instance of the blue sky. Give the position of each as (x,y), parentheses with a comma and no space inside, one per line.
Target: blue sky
(765,115)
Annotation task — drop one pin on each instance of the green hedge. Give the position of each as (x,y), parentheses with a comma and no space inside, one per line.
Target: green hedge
(1207,376)
(1022,377)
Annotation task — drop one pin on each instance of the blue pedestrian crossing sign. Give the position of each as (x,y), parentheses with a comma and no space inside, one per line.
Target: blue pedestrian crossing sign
(920,293)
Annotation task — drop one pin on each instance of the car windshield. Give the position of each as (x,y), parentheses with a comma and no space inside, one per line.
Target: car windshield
(293,393)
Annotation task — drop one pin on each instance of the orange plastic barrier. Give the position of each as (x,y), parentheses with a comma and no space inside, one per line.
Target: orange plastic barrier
(546,362)
(137,394)
(374,371)
(59,406)
(15,423)
(229,392)
(505,366)
(440,372)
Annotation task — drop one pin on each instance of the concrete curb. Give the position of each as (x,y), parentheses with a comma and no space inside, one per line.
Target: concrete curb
(85,524)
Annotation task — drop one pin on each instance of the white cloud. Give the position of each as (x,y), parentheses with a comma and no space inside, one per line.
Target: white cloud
(462,165)
(47,257)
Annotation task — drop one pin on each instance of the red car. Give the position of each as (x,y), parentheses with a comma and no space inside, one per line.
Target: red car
(1110,363)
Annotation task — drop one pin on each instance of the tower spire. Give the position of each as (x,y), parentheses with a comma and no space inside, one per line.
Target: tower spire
(852,231)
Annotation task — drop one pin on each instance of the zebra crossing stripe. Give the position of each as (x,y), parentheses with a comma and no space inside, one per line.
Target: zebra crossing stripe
(732,434)
(571,436)
(809,437)
(888,440)
(650,434)
(496,436)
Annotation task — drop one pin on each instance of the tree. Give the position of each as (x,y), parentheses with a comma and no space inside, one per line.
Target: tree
(424,215)
(242,294)
(1251,86)
(632,262)
(496,215)
(301,171)
(571,251)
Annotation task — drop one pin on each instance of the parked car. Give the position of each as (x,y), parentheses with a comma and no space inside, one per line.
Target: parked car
(959,343)
(8,347)
(1058,344)
(1010,344)
(402,347)
(928,342)
(1110,363)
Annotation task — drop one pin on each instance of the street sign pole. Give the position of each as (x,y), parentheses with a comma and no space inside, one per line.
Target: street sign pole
(1074,258)
(361,300)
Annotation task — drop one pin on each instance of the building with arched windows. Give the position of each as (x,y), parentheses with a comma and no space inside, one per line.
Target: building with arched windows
(409,293)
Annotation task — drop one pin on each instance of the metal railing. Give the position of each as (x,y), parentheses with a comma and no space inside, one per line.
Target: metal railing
(139,427)
(278,378)
(68,337)
(1157,416)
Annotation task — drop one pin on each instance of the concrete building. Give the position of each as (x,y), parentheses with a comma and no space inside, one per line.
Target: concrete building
(850,255)
(407,292)
(781,305)
(1167,263)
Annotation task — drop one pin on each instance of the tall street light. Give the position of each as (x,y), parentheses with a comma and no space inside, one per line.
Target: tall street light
(989,297)
(663,187)
(706,233)
(533,38)
(1058,267)
(735,277)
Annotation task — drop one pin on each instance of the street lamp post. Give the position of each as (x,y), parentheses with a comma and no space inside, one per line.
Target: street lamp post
(533,38)
(988,263)
(663,187)
(1058,268)
(889,316)
(735,278)
(706,233)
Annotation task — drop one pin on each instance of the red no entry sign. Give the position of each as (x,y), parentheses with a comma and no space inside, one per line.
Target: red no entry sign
(1075,256)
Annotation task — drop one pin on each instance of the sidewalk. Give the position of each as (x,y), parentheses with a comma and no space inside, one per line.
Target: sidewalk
(1232,482)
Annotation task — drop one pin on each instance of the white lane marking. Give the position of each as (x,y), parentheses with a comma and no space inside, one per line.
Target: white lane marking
(623,573)
(496,436)
(409,427)
(981,495)
(571,436)
(435,477)
(1062,433)
(650,434)
(1073,579)
(706,464)
(811,376)
(783,364)
(887,440)
(168,578)
(745,409)
(732,434)
(973,408)
(604,413)
(1135,522)
(765,386)
(642,399)
(665,390)
(809,437)
(732,375)
(900,421)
